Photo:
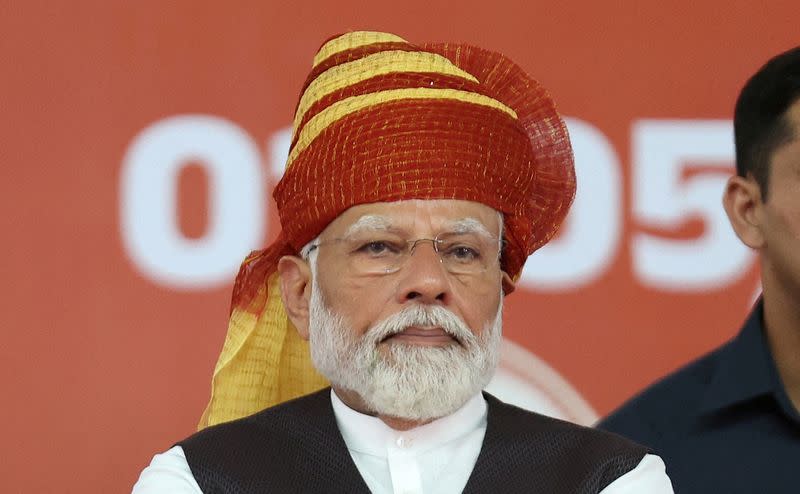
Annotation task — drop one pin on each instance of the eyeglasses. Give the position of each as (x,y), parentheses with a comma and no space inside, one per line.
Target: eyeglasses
(385,253)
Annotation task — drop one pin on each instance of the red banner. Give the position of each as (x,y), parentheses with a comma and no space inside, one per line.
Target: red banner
(141,145)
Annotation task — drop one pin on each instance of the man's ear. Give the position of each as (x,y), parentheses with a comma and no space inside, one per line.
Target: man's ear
(743,201)
(296,281)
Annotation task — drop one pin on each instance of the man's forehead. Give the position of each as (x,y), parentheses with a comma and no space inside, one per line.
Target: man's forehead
(793,118)
(440,214)
(376,222)
(789,151)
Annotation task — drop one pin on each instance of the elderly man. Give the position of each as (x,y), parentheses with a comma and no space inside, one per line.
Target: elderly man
(419,180)
(729,422)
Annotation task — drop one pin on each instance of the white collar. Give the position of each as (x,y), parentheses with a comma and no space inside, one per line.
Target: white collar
(370,435)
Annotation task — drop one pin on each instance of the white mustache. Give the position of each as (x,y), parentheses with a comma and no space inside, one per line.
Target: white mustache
(422,316)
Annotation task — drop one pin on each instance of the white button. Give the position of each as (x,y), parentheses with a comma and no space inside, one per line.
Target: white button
(401,442)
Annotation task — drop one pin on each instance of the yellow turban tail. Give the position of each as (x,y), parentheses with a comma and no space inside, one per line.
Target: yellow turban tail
(263,362)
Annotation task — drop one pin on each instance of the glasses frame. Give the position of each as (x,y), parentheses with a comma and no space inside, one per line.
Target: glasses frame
(436,242)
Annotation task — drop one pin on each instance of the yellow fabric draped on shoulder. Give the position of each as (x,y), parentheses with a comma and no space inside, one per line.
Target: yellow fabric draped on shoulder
(263,362)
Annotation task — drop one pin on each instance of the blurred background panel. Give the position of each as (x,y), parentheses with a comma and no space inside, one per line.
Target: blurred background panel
(140,142)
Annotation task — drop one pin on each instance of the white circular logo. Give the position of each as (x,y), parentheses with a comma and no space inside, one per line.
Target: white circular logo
(527,381)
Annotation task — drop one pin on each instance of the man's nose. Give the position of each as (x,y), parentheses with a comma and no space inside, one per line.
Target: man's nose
(424,278)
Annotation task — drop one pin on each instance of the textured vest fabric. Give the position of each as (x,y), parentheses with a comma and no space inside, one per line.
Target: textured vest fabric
(296,447)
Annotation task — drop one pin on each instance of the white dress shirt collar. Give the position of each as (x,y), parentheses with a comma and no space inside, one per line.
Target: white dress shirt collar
(435,457)
(370,435)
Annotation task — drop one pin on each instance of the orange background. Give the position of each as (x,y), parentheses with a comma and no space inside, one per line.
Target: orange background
(104,367)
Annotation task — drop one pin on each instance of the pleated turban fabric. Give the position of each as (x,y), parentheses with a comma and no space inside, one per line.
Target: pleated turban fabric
(380,119)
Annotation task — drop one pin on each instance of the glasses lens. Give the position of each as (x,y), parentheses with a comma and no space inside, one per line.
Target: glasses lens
(467,253)
(376,254)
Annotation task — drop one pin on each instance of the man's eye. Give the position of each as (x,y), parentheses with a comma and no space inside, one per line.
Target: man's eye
(377,247)
(463,253)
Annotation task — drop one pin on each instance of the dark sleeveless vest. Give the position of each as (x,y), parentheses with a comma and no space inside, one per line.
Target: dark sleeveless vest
(296,447)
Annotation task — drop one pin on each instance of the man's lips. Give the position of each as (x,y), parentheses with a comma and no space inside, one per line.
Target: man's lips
(423,336)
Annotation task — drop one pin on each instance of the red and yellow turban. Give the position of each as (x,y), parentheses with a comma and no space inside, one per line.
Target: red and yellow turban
(380,119)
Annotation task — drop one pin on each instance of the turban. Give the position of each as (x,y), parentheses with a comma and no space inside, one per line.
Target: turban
(380,119)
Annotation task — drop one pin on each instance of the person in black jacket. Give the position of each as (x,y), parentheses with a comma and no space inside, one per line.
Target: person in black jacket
(729,421)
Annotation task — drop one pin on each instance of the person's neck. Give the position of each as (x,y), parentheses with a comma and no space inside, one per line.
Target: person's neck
(782,327)
(354,401)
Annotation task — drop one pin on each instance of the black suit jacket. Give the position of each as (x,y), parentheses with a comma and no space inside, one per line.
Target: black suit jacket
(296,447)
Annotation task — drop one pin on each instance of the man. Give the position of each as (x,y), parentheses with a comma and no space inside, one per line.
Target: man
(729,421)
(418,181)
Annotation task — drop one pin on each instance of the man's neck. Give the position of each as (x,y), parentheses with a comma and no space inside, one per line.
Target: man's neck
(782,327)
(354,401)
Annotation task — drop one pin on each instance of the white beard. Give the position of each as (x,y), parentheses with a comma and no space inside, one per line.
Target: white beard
(412,382)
